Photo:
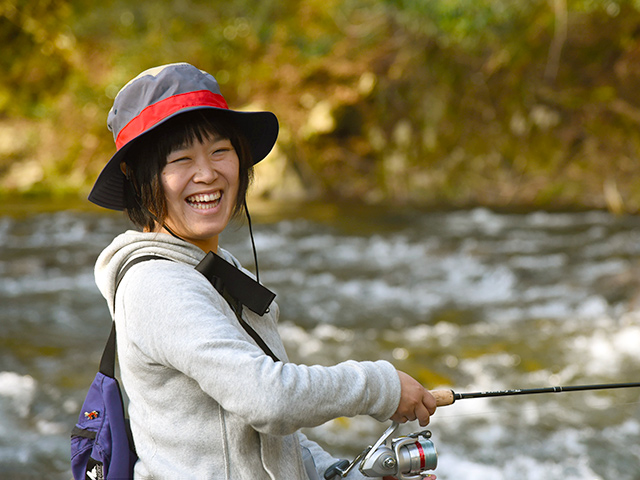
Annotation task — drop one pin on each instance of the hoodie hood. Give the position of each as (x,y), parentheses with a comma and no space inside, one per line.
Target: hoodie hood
(132,244)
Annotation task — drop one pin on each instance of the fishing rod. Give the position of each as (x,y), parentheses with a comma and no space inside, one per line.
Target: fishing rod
(448,397)
(409,457)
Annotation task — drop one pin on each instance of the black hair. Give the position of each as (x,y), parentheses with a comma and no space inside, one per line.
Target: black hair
(145,201)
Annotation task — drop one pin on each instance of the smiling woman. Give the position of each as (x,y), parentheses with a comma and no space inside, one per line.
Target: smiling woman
(208,398)
(205,168)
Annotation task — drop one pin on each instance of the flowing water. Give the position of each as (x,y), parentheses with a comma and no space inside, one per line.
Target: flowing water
(470,300)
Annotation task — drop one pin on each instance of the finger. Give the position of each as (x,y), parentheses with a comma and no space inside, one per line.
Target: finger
(429,402)
(422,415)
(399,418)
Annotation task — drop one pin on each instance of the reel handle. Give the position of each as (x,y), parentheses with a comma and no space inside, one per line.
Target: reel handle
(338,469)
(443,397)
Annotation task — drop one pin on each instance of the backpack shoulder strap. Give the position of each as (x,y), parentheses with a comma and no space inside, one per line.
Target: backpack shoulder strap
(108,360)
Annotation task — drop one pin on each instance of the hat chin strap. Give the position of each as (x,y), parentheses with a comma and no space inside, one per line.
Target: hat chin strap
(171,232)
(253,243)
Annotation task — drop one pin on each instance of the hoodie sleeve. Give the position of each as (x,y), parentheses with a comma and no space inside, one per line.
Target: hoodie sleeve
(175,318)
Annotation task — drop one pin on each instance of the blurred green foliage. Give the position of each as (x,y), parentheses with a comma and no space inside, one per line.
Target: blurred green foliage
(505,103)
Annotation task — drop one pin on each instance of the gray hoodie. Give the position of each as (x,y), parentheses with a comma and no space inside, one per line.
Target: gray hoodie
(205,401)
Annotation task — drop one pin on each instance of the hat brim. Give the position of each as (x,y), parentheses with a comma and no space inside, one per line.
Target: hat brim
(259,128)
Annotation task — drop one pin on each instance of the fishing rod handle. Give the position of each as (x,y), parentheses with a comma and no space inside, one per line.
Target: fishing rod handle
(443,397)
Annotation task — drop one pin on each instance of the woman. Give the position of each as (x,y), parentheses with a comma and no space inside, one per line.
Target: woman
(205,400)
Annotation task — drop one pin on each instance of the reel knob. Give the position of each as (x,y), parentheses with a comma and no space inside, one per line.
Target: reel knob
(338,469)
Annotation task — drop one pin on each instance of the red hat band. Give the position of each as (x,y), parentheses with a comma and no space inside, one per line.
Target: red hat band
(159,111)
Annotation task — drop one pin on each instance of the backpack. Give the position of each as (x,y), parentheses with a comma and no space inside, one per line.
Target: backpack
(101,442)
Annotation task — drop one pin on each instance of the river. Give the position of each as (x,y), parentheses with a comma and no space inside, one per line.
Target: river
(471,300)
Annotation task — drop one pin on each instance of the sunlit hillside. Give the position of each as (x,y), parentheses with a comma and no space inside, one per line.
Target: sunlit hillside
(504,103)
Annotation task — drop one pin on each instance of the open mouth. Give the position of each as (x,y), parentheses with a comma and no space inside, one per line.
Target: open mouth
(204,201)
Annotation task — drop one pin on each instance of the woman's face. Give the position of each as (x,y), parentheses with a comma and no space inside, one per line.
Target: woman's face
(200,182)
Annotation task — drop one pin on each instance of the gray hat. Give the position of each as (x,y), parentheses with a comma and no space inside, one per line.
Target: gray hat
(157,95)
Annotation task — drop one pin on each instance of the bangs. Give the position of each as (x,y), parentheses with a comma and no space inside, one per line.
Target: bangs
(187,129)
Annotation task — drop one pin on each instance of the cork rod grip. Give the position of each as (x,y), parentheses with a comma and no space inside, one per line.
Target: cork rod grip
(443,397)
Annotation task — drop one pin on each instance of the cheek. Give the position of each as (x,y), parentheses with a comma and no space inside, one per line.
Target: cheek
(165,183)
(169,186)
(233,172)
(235,176)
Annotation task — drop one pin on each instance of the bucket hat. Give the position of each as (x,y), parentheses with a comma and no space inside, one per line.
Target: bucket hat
(155,96)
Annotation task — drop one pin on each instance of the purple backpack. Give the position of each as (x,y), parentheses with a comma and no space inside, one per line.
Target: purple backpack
(101,442)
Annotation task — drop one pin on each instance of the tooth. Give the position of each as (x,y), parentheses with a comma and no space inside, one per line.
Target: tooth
(204,198)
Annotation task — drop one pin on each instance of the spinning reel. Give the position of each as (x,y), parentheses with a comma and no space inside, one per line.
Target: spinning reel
(406,458)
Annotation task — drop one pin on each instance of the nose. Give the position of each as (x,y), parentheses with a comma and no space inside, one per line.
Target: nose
(204,170)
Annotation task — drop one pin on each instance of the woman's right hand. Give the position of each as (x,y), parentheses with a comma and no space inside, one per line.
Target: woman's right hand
(416,403)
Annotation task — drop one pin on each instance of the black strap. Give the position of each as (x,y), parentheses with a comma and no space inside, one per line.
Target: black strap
(225,276)
(239,290)
(108,360)
(83,432)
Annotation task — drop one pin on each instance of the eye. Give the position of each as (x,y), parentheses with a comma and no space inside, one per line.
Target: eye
(176,159)
(221,148)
